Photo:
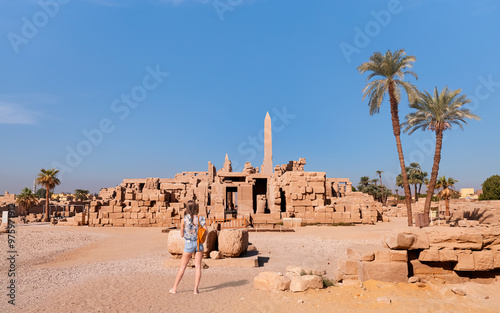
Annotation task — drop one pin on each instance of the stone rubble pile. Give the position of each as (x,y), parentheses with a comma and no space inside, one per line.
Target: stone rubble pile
(296,279)
(444,254)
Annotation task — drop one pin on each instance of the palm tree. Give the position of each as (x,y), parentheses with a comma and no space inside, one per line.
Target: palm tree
(381,185)
(392,67)
(363,183)
(446,191)
(81,194)
(438,113)
(48,179)
(26,200)
(416,177)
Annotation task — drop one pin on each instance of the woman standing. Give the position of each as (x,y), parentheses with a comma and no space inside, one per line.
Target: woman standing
(189,230)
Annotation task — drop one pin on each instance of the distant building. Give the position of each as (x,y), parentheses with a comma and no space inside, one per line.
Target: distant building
(479,192)
(468,193)
(62,196)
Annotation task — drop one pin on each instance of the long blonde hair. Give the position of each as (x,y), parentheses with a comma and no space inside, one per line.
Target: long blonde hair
(191,210)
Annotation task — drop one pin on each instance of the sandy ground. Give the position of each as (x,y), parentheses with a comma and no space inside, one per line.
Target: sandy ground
(82,269)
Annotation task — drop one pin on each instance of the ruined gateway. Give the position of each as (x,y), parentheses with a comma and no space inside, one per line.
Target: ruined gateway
(261,197)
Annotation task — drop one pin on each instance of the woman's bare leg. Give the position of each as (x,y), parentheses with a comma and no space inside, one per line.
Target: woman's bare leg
(184,261)
(197,263)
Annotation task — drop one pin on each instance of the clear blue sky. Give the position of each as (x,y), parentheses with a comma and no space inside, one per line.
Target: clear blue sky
(228,63)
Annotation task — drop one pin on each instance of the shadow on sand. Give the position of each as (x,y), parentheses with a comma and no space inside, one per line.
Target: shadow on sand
(236,283)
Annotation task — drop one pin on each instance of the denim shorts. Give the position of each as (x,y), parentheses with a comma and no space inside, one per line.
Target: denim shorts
(190,246)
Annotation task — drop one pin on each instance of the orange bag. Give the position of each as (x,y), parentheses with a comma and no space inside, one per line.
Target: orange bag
(202,235)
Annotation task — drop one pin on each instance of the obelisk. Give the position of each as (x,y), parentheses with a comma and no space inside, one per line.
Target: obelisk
(268,147)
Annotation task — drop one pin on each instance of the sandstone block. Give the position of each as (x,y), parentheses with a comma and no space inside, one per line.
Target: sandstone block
(483,260)
(271,281)
(210,243)
(447,255)
(302,283)
(175,243)
(496,259)
(455,238)
(304,271)
(465,262)
(399,256)
(233,242)
(288,222)
(491,238)
(409,238)
(215,255)
(383,255)
(394,272)
(400,241)
(431,268)
(429,255)
(360,253)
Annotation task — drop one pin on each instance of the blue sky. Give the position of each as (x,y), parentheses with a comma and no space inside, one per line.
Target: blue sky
(201,75)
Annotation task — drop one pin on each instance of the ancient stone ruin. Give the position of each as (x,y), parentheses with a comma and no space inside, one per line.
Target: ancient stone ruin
(263,198)
(442,254)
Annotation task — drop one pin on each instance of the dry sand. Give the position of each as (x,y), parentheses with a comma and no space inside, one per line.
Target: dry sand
(82,269)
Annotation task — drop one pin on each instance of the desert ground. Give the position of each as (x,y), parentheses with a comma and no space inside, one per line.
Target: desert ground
(90,269)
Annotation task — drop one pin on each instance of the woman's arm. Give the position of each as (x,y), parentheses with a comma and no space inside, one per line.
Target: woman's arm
(182,228)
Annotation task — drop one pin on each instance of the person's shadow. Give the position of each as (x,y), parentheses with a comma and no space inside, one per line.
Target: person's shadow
(226,285)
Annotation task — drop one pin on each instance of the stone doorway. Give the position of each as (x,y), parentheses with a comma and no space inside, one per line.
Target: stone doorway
(259,188)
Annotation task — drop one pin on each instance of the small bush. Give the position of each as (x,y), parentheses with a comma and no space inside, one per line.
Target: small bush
(328,282)
(312,224)
(343,224)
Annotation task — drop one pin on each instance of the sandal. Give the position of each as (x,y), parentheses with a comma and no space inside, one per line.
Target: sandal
(172,292)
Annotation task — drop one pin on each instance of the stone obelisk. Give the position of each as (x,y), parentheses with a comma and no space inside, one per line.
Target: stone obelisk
(267,166)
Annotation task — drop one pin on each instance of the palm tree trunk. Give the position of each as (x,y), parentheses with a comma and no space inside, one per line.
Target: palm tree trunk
(434,174)
(416,194)
(396,128)
(447,202)
(47,219)
(381,188)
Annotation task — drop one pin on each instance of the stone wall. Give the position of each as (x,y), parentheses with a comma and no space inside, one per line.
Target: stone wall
(263,200)
(442,254)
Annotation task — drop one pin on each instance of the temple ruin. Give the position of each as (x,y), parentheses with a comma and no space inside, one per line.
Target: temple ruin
(282,194)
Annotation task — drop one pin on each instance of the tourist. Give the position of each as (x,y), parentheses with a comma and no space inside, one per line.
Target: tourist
(190,225)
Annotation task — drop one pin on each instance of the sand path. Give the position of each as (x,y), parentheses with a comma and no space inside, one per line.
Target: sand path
(81,269)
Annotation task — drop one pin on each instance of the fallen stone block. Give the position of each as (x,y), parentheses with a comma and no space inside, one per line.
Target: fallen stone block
(305,282)
(233,242)
(215,255)
(175,243)
(410,238)
(210,243)
(271,281)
